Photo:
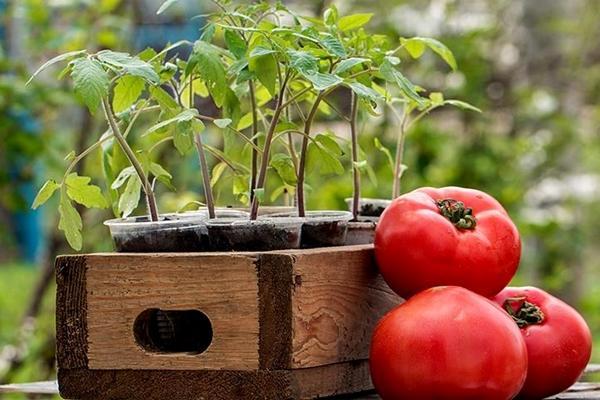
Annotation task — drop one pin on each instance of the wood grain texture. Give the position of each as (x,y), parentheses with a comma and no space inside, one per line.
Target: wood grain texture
(338,298)
(71,311)
(332,380)
(83,384)
(275,280)
(120,287)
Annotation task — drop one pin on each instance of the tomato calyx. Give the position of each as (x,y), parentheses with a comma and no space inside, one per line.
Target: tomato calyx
(525,314)
(456,212)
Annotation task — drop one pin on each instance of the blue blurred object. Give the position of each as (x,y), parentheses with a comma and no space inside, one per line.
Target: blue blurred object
(27,223)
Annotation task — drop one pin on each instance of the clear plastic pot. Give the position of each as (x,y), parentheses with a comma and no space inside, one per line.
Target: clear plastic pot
(263,234)
(361,232)
(369,207)
(322,228)
(172,233)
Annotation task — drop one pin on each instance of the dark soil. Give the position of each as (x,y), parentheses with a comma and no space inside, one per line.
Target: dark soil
(323,233)
(252,237)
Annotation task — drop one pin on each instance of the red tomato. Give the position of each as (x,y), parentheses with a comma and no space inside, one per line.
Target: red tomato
(447,343)
(450,236)
(559,343)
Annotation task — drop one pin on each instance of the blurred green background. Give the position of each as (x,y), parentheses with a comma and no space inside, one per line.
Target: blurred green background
(532,66)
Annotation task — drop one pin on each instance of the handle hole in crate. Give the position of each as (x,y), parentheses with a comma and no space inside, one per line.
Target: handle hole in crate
(173,331)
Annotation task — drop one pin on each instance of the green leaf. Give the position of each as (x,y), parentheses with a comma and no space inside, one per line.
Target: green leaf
(183,137)
(81,191)
(164,100)
(90,82)
(222,123)
(436,98)
(130,198)
(127,91)
(348,64)
(462,104)
(322,81)
(265,68)
(125,174)
(245,121)
(355,21)
(334,46)
(330,16)
(391,74)
(304,62)
(259,51)
(415,47)
(324,152)
(217,172)
(283,164)
(185,115)
(131,65)
(206,62)
(70,222)
(161,174)
(235,44)
(166,5)
(45,193)
(379,146)
(52,61)
(364,91)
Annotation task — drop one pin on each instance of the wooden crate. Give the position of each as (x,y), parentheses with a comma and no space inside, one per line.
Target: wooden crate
(285,324)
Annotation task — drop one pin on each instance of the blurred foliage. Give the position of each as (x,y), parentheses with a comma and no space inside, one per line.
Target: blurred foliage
(532,66)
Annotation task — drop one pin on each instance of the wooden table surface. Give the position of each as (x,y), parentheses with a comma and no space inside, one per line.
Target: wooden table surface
(581,390)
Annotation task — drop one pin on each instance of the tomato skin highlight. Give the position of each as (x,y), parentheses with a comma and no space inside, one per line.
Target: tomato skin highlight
(447,343)
(417,247)
(558,348)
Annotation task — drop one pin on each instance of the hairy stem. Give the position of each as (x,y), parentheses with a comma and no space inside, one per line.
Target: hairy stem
(303,152)
(147,187)
(262,175)
(254,170)
(355,170)
(399,155)
(210,204)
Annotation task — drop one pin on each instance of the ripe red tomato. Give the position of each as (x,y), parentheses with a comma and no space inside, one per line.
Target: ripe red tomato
(447,343)
(450,236)
(559,343)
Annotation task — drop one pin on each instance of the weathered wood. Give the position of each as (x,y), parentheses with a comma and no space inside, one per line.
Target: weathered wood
(286,324)
(332,380)
(275,280)
(306,383)
(224,288)
(338,298)
(71,312)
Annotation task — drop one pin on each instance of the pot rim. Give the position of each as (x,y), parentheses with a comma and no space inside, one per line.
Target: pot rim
(233,222)
(369,200)
(313,215)
(130,222)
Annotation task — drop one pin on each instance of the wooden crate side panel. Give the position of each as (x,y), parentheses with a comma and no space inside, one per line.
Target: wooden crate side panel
(275,304)
(223,286)
(71,312)
(338,298)
(83,384)
(332,380)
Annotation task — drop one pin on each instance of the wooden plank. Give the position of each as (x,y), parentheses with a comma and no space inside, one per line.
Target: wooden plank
(71,312)
(83,384)
(332,380)
(275,281)
(121,287)
(338,298)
